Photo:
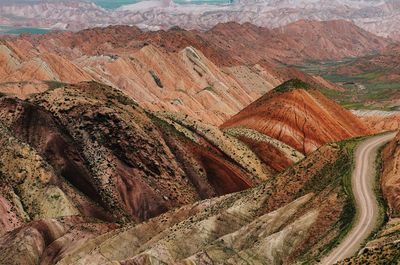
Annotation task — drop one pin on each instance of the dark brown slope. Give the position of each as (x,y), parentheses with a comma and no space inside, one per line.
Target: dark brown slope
(119,159)
(300,116)
(296,215)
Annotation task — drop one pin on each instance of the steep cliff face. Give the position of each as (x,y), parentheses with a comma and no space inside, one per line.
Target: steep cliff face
(299,116)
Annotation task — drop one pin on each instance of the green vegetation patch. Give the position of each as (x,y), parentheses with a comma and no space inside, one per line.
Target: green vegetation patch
(291,85)
(337,174)
(157,80)
(52,84)
(389,253)
(370,96)
(367,90)
(382,204)
(208,88)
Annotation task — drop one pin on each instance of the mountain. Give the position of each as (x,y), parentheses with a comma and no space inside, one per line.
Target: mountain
(95,152)
(379,17)
(300,116)
(208,75)
(297,42)
(79,179)
(124,146)
(381,67)
(137,67)
(371,82)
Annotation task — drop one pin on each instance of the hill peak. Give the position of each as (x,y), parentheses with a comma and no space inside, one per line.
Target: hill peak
(291,85)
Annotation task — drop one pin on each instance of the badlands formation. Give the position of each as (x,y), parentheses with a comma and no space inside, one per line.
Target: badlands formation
(377,16)
(79,179)
(208,75)
(121,146)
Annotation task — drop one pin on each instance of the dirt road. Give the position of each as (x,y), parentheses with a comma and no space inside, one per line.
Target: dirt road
(363,180)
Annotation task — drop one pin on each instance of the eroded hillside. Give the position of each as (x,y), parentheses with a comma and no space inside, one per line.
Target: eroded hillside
(208,75)
(306,206)
(84,165)
(297,114)
(115,155)
(112,149)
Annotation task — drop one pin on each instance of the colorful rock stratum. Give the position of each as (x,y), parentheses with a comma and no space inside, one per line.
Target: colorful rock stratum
(123,146)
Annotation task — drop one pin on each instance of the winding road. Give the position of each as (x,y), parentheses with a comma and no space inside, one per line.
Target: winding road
(363,181)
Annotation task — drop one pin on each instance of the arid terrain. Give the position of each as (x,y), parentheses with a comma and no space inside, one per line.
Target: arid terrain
(134,164)
(208,75)
(380,17)
(225,146)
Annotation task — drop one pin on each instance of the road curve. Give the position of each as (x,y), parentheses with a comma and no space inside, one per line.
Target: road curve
(363,180)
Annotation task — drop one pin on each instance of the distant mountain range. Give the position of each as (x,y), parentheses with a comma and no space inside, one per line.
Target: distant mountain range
(379,17)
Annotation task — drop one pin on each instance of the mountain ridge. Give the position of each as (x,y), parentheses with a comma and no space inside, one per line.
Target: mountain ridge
(377,17)
(217,68)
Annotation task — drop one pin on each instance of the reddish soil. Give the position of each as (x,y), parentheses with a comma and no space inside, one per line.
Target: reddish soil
(303,119)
